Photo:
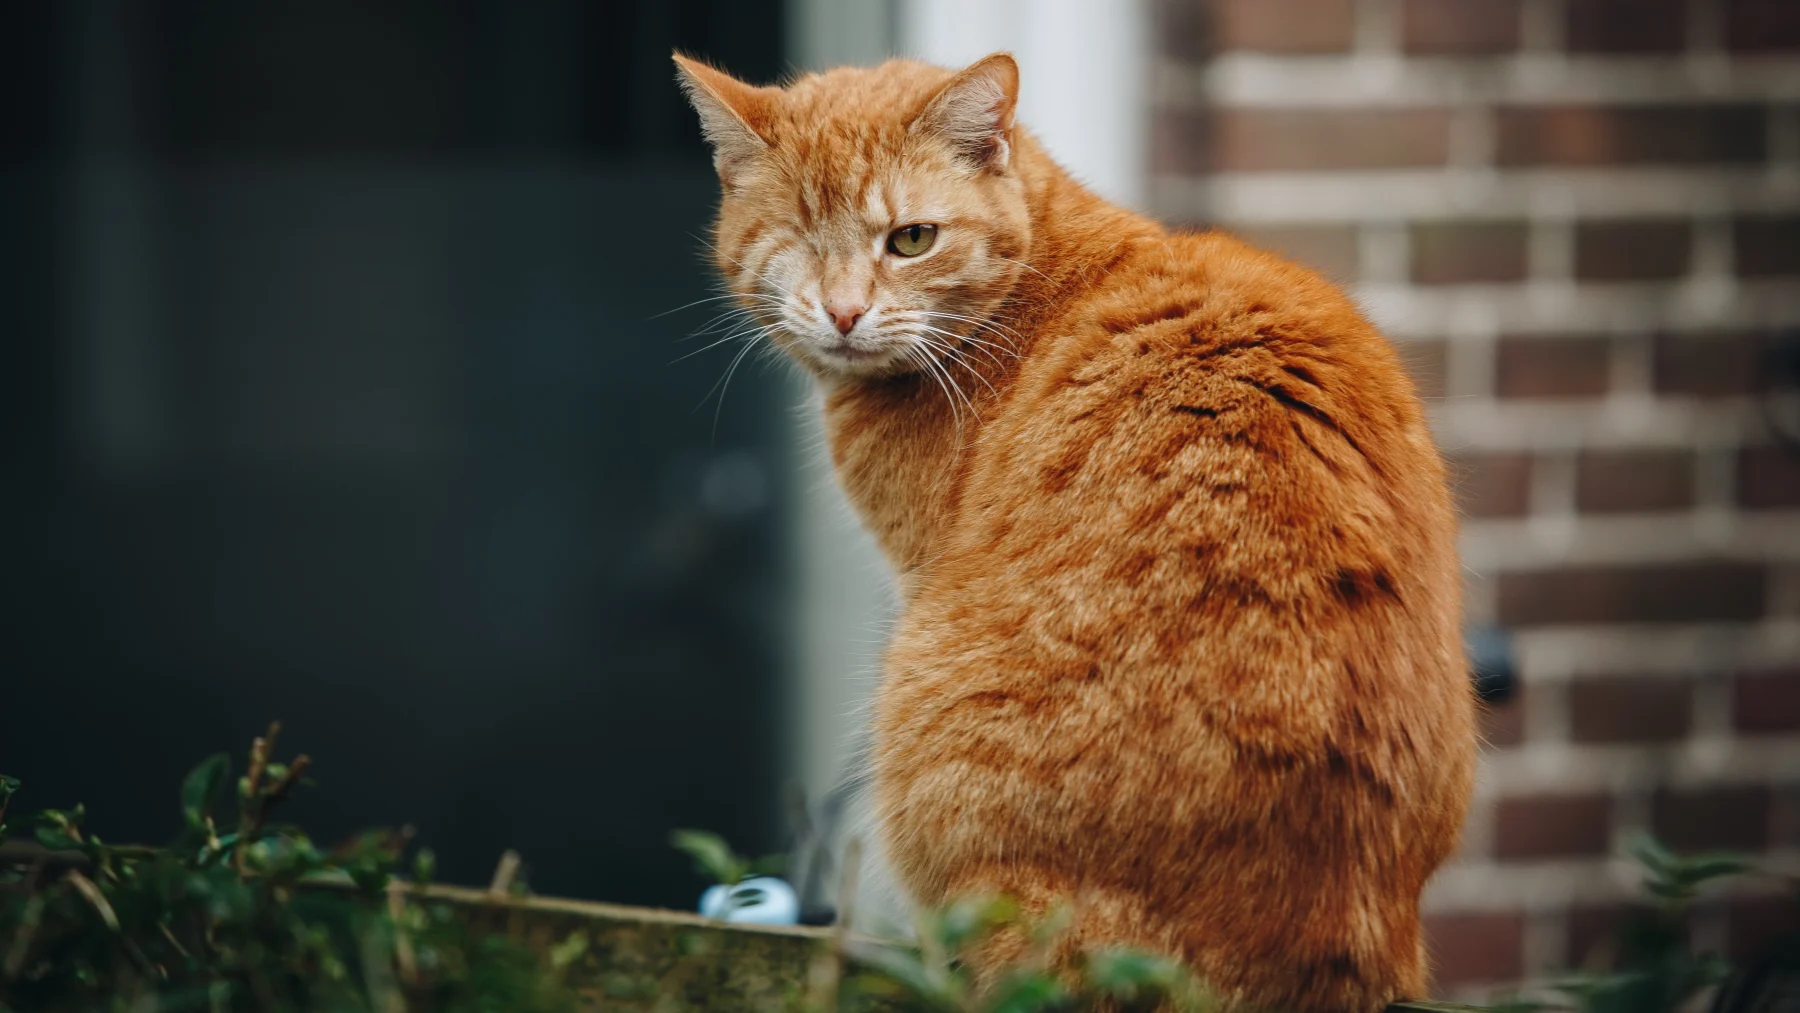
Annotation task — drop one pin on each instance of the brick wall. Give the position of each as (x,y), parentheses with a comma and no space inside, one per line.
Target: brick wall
(1580,219)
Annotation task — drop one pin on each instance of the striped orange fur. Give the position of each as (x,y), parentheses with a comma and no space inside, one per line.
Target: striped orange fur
(1180,637)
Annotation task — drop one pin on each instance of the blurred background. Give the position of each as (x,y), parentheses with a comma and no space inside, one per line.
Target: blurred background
(335,390)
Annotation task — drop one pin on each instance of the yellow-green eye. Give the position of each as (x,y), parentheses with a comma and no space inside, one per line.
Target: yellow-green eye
(912,240)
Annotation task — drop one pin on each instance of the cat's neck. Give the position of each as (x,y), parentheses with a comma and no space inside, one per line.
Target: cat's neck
(900,445)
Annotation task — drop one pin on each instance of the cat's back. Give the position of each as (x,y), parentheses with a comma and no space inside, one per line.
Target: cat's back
(1201,374)
(1212,463)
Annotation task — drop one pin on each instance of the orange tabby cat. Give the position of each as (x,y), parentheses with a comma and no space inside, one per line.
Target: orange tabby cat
(1180,632)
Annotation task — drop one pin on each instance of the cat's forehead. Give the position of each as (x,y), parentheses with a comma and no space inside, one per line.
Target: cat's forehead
(857,106)
(841,136)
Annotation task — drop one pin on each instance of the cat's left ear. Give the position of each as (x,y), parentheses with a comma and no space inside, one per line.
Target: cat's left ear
(734,116)
(974,111)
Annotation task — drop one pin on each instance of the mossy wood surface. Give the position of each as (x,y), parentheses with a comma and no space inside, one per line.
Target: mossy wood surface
(641,959)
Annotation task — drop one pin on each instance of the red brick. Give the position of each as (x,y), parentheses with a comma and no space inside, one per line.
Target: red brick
(1425,363)
(1589,135)
(1766,246)
(1246,140)
(1683,592)
(1475,948)
(1712,818)
(1769,477)
(1762,25)
(1626,480)
(1503,724)
(1284,26)
(1552,367)
(1460,26)
(1329,249)
(1630,251)
(1492,485)
(1626,26)
(1553,826)
(1713,365)
(1766,703)
(1451,252)
(1630,710)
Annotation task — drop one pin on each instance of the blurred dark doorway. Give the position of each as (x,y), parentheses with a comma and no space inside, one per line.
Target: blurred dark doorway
(334,392)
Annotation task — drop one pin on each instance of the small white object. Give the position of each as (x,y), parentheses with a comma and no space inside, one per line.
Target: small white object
(763,900)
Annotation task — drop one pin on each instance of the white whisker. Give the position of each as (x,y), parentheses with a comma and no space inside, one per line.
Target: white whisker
(758,275)
(951,354)
(979,346)
(925,343)
(724,384)
(715,298)
(753,335)
(1028,267)
(999,330)
(917,356)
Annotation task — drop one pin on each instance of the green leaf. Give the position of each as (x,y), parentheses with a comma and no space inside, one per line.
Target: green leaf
(1127,974)
(55,838)
(1515,1004)
(904,969)
(1029,993)
(1650,853)
(424,866)
(713,858)
(768,865)
(569,950)
(60,829)
(1135,977)
(1702,868)
(972,919)
(201,787)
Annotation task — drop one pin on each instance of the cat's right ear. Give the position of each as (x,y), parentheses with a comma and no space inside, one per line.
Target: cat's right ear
(733,115)
(974,111)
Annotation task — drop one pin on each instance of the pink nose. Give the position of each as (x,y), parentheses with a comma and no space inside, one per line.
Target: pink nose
(845,316)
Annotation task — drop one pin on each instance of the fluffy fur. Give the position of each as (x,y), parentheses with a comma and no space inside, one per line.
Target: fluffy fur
(1180,638)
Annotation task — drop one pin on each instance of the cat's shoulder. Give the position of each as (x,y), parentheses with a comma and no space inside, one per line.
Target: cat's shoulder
(1201,338)
(1212,277)
(1184,298)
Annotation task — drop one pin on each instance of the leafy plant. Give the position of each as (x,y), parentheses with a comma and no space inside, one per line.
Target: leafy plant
(239,912)
(242,912)
(937,974)
(1649,965)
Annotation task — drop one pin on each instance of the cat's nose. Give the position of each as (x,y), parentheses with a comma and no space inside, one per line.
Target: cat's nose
(845,317)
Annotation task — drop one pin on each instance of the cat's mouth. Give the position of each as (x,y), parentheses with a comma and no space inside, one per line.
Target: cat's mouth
(853,358)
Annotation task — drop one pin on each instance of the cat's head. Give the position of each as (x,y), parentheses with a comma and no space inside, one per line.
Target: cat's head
(869,216)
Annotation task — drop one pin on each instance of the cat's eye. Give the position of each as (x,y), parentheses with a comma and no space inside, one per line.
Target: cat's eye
(912,240)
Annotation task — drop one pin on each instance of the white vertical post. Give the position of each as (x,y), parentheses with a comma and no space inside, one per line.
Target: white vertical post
(822,34)
(1084,73)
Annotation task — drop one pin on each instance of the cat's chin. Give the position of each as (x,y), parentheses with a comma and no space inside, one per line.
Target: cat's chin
(848,361)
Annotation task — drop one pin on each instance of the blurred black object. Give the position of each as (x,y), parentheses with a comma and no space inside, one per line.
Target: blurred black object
(1491,664)
(334,391)
(1768,984)
(1781,371)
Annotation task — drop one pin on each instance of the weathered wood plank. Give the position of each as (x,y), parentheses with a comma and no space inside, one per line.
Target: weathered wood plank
(643,959)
